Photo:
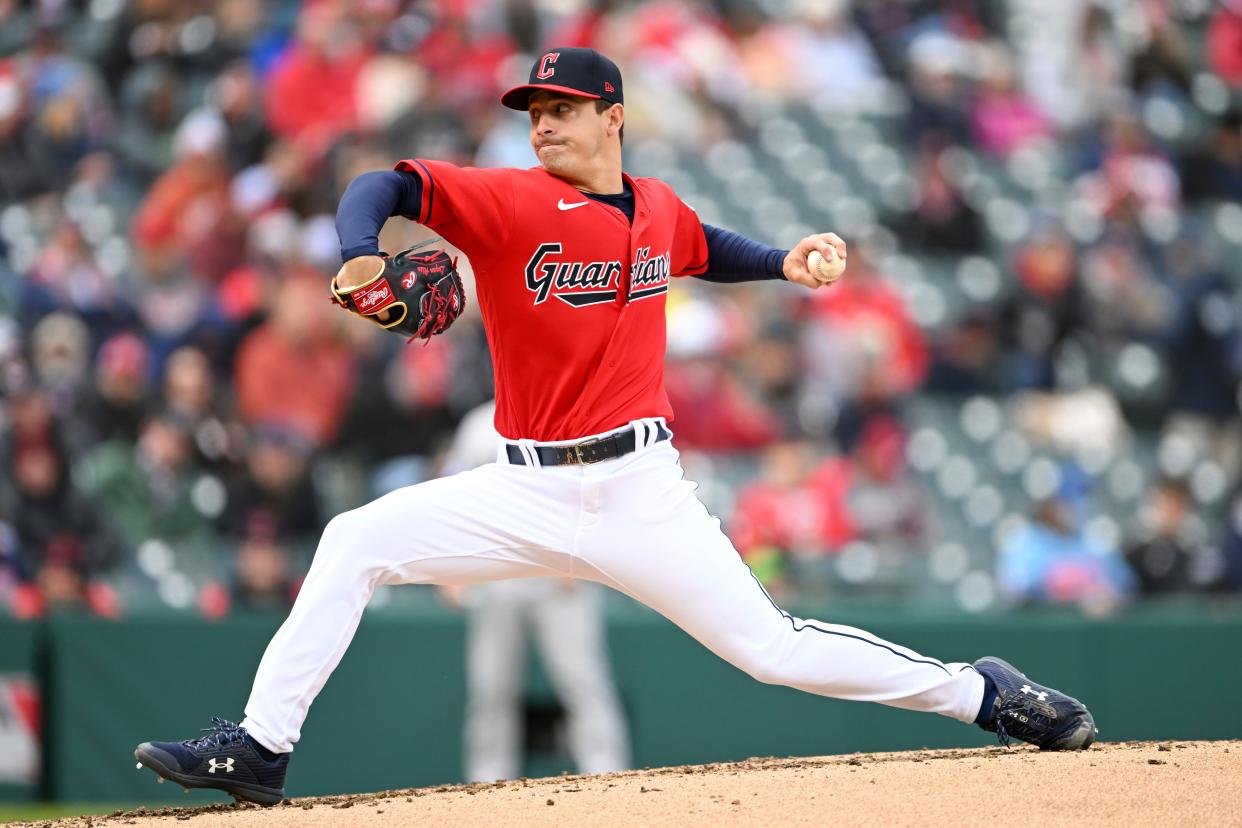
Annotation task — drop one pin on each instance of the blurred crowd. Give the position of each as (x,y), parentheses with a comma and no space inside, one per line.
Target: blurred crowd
(183,409)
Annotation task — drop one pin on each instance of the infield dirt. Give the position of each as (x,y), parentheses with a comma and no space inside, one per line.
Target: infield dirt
(1123,783)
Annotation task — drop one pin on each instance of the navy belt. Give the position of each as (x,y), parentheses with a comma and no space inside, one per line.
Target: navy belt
(586,452)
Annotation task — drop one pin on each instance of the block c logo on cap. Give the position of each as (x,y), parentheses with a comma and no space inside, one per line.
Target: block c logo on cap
(546,70)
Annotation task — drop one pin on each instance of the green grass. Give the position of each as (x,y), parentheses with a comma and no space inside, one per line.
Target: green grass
(32,811)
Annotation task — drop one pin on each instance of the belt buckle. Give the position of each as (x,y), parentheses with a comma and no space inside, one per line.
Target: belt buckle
(577,452)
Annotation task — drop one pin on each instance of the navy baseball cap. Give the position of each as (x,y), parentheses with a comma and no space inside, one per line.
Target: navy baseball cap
(572,71)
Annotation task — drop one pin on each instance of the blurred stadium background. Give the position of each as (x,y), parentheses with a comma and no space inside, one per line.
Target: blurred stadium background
(1015,421)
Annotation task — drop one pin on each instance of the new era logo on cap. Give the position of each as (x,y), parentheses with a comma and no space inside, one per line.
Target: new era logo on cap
(572,71)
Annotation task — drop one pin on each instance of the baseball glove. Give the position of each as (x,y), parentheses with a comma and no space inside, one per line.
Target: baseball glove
(421,292)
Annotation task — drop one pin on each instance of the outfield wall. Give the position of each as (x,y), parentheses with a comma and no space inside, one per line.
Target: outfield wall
(391,716)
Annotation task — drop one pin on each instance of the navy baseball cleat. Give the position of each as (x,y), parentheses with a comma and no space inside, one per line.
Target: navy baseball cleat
(1034,713)
(227,759)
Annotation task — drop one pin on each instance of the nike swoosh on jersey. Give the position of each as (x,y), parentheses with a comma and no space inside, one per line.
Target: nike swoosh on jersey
(561,205)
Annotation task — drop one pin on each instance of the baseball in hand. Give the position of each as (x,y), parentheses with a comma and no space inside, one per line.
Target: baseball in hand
(825,269)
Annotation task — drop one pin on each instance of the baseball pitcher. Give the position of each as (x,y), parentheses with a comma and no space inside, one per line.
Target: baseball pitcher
(572,261)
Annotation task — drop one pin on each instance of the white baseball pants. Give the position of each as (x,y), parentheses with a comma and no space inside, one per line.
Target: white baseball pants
(565,618)
(632,523)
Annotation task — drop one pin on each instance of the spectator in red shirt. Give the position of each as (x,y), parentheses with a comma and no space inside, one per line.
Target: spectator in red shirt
(777,516)
(863,350)
(465,64)
(312,92)
(1224,42)
(585,27)
(186,220)
(871,327)
(714,409)
(291,371)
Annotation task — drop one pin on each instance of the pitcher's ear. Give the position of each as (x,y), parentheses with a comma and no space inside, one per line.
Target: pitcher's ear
(616,118)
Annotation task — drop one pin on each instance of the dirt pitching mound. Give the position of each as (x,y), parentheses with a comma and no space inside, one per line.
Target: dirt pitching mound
(1124,783)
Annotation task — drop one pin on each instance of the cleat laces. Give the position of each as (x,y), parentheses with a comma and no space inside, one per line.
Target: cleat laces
(1032,724)
(222,732)
(1002,735)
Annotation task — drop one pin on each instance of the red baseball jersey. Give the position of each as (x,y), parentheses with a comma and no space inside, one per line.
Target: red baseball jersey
(572,295)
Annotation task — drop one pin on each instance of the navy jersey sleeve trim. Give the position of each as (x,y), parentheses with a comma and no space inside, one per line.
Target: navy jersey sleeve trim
(431,191)
(698,268)
(731,257)
(369,201)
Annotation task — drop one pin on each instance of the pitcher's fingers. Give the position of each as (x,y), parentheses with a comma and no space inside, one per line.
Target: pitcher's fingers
(837,243)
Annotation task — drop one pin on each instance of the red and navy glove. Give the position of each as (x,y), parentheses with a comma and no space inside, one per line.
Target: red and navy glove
(417,295)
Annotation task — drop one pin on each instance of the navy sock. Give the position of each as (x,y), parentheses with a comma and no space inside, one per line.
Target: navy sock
(989,701)
(268,756)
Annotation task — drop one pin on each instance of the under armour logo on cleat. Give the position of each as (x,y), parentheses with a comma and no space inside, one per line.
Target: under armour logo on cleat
(227,764)
(1041,695)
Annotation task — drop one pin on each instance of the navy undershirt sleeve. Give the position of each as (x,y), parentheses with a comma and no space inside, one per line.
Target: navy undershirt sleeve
(731,257)
(369,201)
